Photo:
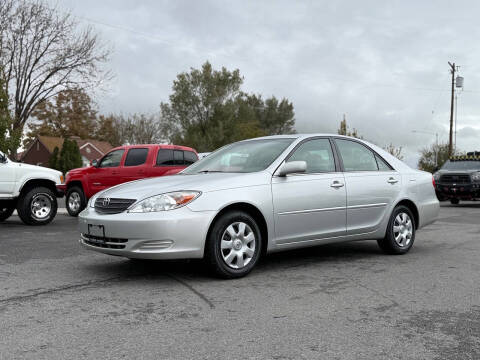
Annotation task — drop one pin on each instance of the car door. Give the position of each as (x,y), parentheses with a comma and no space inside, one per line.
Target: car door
(310,205)
(371,183)
(106,174)
(135,165)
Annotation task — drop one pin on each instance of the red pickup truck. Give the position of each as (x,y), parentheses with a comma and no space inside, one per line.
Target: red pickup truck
(122,164)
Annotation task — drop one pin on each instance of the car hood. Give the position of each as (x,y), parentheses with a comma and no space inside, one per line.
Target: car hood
(141,189)
(29,167)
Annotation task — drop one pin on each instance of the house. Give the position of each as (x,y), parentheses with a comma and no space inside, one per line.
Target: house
(40,150)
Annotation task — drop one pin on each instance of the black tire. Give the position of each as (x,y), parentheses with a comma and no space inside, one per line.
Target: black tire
(454,201)
(75,192)
(214,255)
(388,244)
(6,210)
(44,196)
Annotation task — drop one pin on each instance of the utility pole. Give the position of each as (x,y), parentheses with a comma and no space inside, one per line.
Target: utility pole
(450,139)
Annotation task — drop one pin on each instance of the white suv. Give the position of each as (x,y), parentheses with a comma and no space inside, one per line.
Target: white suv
(29,189)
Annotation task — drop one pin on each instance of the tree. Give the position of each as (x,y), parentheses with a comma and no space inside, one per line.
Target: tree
(53,161)
(42,52)
(207,109)
(9,138)
(70,157)
(395,151)
(69,113)
(343,129)
(429,154)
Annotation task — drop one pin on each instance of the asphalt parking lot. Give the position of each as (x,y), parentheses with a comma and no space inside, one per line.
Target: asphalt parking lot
(343,301)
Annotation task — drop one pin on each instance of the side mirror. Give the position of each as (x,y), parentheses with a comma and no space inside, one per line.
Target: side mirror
(292,167)
(94,162)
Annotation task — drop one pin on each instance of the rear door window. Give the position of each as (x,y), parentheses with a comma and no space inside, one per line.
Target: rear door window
(190,157)
(178,157)
(165,157)
(136,157)
(355,156)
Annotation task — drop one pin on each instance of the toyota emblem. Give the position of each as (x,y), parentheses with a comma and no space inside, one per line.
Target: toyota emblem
(106,201)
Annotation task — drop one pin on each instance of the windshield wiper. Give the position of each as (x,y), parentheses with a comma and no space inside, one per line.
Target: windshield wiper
(209,171)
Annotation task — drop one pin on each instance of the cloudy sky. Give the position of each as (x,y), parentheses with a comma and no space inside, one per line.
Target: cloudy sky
(382,63)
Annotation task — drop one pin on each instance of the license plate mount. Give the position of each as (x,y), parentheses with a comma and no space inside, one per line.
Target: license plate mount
(96,230)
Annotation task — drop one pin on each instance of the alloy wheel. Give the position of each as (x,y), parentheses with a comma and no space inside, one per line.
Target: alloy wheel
(74,201)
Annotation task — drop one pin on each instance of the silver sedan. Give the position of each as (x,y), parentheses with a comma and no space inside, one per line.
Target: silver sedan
(263,195)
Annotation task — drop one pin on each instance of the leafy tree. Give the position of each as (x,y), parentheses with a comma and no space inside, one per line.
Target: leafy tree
(70,113)
(433,157)
(70,157)
(43,51)
(9,138)
(207,109)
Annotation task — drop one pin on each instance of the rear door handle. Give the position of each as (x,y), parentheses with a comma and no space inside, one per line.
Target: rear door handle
(392,180)
(337,184)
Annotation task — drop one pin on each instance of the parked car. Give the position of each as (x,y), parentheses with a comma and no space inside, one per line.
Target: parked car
(264,195)
(29,189)
(120,165)
(459,178)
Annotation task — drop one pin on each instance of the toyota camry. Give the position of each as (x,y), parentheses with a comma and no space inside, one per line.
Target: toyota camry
(262,195)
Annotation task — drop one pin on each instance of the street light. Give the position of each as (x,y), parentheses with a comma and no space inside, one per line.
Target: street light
(436,142)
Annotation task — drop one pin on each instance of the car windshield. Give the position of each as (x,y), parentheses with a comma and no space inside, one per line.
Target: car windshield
(242,157)
(462,165)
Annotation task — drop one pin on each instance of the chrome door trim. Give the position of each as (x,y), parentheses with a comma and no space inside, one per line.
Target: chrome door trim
(366,206)
(312,210)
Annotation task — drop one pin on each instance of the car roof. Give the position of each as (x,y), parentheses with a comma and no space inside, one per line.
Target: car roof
(160,146)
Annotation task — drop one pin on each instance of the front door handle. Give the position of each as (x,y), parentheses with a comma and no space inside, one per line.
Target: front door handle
(337,184)
(392,180)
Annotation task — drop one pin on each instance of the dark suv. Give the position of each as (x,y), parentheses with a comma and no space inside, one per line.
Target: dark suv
(459,178)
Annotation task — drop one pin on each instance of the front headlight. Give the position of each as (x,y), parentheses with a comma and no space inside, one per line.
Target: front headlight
(163,202)
(436,176)
(476,177)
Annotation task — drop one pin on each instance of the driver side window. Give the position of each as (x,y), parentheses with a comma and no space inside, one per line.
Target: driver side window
(112,159)
(317,154)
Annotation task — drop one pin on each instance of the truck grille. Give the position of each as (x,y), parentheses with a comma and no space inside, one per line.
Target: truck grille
(455,179)
(112,205)
(104,242)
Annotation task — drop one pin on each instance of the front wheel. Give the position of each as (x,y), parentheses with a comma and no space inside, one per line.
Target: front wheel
(6,210)
(400,232)
(75,201)
(234,245)
(37,206)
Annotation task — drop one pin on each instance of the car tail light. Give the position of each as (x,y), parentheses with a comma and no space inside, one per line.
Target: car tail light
(433,182)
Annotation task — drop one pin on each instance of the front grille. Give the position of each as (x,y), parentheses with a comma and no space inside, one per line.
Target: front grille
(112,205)
(104,242)
(455,179)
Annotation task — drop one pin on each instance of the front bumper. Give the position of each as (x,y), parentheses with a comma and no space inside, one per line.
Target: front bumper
(174,234)
(61,190)
(458,191)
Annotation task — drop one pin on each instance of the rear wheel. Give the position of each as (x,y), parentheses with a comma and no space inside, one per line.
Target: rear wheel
(6,210)
(234,245)
(400,232)
(75,200)
(454,201)
(37,206)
